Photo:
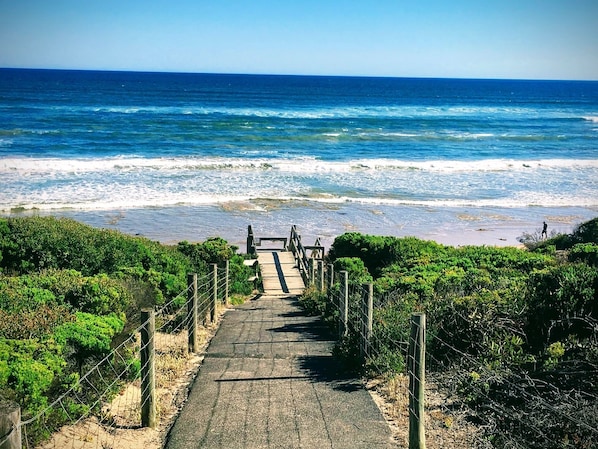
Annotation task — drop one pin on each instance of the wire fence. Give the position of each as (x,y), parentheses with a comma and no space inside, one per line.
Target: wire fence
(127,397)
(452,398)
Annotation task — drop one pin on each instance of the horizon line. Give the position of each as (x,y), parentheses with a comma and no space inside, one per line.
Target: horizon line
(183,72)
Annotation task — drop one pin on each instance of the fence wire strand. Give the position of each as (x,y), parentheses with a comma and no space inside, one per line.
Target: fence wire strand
(105,401)
(450,422)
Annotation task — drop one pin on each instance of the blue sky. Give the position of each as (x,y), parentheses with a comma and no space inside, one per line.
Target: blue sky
(538,39)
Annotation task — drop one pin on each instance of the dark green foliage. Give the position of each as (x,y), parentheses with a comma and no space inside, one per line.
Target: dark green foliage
(38,243)
(378,252)
(585,252)
(513,332)
(561,301)
(586,232)
(214,250)
(66,292)
(217,250)
(239,275)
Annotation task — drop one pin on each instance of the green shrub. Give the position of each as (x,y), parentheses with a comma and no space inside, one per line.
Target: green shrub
(357,273)
(504,325)
(65,289)
(213,250)
(30,369)
(239,274)
(88,337)
(586,232)
(38,243)
(378,252)
(561,298)
(585,252)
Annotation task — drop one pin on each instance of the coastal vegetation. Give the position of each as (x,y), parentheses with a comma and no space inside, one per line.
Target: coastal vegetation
(512,333)
(68,291)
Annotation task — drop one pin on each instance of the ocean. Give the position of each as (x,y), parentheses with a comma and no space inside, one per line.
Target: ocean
(190,156)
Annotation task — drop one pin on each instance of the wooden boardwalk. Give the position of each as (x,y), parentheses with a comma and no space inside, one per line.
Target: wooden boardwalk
(269,380)
(280,274)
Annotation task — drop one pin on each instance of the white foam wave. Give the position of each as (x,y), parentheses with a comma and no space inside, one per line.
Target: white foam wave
(398,111)
(393,111)
(26,165)
(126,201)
(591,118)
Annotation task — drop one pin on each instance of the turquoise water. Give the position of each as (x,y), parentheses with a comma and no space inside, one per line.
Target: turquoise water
(185,156)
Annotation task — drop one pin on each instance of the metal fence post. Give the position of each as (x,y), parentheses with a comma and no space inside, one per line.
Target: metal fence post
(416,367)
(148,374)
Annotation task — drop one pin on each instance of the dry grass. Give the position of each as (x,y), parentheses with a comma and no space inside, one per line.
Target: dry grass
(446,424)
(175,370)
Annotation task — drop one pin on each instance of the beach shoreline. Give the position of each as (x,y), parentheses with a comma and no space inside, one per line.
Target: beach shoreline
(448,226)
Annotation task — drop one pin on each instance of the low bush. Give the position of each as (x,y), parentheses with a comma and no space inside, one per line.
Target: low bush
(508,329)
(67,291)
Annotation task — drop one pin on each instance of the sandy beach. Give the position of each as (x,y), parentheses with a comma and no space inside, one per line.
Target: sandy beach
(449,226)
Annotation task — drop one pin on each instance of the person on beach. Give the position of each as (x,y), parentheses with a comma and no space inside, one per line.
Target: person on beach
(544,230)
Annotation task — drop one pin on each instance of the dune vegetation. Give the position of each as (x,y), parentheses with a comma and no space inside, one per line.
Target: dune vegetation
(512,333)
(68,290)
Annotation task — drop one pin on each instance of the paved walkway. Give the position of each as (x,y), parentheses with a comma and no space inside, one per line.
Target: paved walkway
(269,381)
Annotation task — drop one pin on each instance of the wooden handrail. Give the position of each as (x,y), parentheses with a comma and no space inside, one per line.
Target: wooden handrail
(300,253)
(294,245)
(253,242)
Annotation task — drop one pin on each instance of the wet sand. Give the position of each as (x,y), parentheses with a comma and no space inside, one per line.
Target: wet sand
(450,226)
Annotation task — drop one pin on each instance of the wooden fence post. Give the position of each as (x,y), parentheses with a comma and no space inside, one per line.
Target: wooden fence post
(416,369)
(226,282)
(320,276)
(192,312)
(311,274)
(214,289)
(330,274)
(250,241)
(344,305)
(368,319)
(10,425)
(148,375)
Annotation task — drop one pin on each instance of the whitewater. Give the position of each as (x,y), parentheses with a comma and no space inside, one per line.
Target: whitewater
(187,156)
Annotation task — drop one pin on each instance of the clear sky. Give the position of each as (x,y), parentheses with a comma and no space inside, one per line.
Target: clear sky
(538,39)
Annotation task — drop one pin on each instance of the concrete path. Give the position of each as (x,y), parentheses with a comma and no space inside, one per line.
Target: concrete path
(269,381)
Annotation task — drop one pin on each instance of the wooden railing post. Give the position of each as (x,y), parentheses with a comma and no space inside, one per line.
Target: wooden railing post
(330,274)
(192,312)
(214,290)
(10,425)
(226,282)
(250,241)
(311,277)
(416,369)
(368,319)
(148,376)
(320,276)
(344,305)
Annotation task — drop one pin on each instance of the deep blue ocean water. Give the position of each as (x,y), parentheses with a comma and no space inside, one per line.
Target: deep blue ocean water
(216,152)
